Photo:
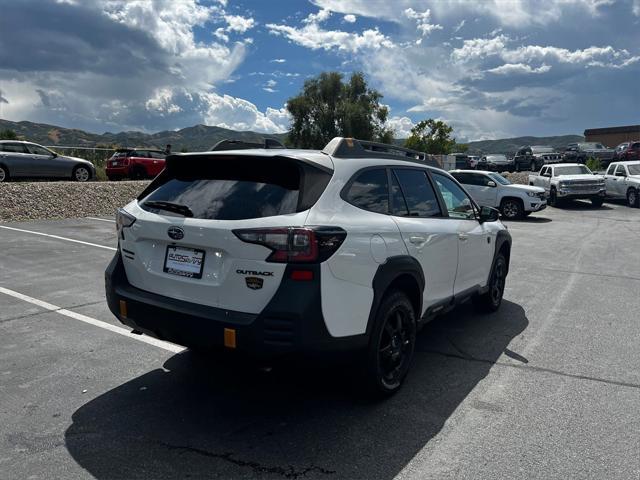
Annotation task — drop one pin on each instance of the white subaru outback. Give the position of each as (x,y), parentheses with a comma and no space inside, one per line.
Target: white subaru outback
(274,252)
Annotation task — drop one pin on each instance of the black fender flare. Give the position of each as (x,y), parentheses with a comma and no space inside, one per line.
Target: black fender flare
(385,275)
(502,238)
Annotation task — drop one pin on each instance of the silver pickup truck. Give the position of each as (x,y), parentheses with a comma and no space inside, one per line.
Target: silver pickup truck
(622,180)
(569,181)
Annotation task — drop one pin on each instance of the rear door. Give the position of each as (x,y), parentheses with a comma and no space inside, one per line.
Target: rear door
(429,237)
(17,158)
(619,183)
(155,162)
(475,240)
(610,180)
(200,259)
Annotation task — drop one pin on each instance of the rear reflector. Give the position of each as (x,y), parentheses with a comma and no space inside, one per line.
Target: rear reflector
(229,338)
(302,275)
(123,309)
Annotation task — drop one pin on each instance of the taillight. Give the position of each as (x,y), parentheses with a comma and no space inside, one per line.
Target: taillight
(123,220)
(294,244)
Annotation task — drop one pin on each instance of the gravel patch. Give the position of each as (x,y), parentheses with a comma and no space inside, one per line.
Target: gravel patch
(45,200)
(521,178)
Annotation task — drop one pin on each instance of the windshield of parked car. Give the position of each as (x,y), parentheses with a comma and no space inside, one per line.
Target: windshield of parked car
(499,178)
(572,170)
(496,158)
(541,149)
(634,169)
(591,146)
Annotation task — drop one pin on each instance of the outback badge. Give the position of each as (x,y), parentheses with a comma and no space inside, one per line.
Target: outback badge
(254,283)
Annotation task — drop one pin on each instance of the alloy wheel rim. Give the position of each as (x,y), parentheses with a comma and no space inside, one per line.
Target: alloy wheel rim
(510,210)
(632,198)
(82,174)
(394,349)
(3,175)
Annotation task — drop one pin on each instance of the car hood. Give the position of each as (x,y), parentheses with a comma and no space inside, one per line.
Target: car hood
(526,188)
(580,177)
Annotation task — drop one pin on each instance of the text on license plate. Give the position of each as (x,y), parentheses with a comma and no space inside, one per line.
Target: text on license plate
(186,262)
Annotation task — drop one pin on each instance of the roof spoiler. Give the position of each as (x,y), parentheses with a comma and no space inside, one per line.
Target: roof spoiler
(235,144)
(342,147)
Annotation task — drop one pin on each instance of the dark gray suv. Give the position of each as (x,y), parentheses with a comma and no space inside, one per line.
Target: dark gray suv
(30,160)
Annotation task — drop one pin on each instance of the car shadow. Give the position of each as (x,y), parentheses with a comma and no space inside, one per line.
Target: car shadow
(529,219)
(581,205)
(191,419)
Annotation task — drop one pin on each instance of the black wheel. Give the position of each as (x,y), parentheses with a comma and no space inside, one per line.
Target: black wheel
(81,174)
(4,174)
(392,345)
(511,209)
(526,214)
(492,299)
(632,198)
(553,198)
(597,202)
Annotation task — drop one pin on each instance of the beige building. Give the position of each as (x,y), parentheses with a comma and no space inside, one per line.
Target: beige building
(612,136)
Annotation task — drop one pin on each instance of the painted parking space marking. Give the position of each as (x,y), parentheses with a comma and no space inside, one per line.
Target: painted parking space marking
(57,237)
(101,219)
(92,321)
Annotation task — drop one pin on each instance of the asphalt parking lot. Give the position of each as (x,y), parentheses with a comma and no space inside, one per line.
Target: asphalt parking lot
(548,387)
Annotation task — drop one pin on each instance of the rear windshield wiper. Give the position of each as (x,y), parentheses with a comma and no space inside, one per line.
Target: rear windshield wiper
(170,207)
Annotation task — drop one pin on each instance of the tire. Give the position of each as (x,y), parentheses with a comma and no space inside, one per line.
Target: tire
(632,198)
(554,201)
(597,202)
(81,174)
(491,300)
(511,209)
(391,346)
(526,214)
(4,174)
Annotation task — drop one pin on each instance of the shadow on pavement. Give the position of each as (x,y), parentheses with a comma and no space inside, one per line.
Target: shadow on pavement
(530,219)
(194,420)
(581,205)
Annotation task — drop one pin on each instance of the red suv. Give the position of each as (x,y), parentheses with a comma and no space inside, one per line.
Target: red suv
(135,164)
(627,151)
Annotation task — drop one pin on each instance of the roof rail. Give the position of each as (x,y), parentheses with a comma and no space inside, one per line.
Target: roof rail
(233,144)
(353,148)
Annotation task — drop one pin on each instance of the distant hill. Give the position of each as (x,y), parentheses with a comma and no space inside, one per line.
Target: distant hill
(198,137)
(203,137)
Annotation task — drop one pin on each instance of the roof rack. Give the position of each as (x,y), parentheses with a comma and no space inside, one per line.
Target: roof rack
(341,147)
(233,144)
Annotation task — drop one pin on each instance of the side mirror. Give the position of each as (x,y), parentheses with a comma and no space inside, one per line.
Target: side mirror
(54,154)
(489,214)
(491,183)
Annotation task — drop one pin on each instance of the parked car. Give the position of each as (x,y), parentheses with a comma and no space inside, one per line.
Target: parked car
(462,160)
(136,163)
(581,152)
(29,160)
(496,163)
(493,190)
(533,157)
(473,161)
(627,151)
(280,252)
(570,181)
(622,180)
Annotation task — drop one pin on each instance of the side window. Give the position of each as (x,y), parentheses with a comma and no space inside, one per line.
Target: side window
(635,146)
(157,155)
(543,171)
(620,172)
(463,178)
(611,169)
(14,148)
(480,180)
(458,204)
(38,150)
(398,202)
(419,195)
(370,191)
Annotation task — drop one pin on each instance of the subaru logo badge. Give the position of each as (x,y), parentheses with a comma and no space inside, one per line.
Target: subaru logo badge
(176,233)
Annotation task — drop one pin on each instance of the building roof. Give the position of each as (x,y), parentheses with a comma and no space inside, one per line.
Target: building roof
(610,130)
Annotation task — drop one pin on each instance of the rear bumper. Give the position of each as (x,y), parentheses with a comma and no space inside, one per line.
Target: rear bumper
(117,171)
(292,322)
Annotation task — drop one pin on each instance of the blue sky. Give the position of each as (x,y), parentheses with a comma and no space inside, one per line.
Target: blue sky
(491,68)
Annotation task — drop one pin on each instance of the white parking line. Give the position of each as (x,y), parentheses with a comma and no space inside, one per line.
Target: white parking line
(113,249)
(101,219)
(92,321)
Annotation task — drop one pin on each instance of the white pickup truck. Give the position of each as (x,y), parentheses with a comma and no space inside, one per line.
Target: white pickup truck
(622,180)
(570,181)
(493,190)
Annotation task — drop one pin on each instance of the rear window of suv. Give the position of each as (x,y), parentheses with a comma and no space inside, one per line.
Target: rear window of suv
(237,188)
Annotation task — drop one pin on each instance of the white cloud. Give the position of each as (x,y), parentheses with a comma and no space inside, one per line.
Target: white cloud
(401,126)
(480,48)
(238,23)
(349,18)
(457,28)
(422,20)
(518,68)
(315,38)
(635,8)
(278,60)
(319,17)
(239,114)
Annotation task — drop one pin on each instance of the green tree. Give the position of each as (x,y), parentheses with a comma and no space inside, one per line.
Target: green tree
(431,136)
(8,135)
(327,107)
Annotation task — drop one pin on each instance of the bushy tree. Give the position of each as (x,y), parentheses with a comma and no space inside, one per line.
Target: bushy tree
(327,107)
(431,136)
(8,135)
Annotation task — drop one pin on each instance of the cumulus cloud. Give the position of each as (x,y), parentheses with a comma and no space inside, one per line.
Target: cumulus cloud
(518,68)
(401,126)
(422,20)
(349,18)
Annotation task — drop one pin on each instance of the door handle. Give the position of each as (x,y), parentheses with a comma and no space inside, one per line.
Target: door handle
(417,240)
(463,237)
